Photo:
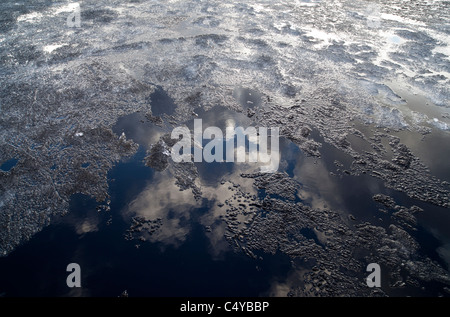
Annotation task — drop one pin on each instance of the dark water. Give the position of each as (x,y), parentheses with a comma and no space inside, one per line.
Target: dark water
(161,103)
(110,264)
(191,265)
(8,165)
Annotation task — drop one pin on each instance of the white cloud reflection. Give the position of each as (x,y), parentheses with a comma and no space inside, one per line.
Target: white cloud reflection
(163,199)
(88,225)
(320,188)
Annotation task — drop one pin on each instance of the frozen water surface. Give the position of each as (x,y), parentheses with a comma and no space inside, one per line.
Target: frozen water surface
(360,91)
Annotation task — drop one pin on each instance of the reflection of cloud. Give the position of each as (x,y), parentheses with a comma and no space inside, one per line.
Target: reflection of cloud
(282,288)
(88,225)
(213,219)
(278,289)
(322,189)
(444,252)
(144,134)
(436,226)
(219,194)
(218,245)
(84,220)
(163,199)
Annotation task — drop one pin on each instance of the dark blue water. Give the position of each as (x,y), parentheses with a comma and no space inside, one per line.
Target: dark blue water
(8,165)
(110,264)
(162,103)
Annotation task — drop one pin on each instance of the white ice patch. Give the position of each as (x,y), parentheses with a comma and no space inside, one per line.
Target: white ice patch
(300,3)
(79,134)
(394,39)
(418,117)
(392,17)
(439,124)
(390,117)
(66,8)
(443,46)
(383,93)
(30,17)
(51,48)
(326,39)
(390,44)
